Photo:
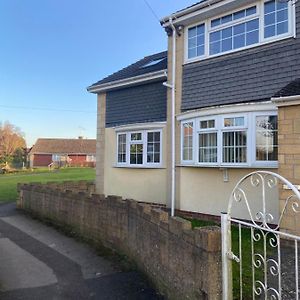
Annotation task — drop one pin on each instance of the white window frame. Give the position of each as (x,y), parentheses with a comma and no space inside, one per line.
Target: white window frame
(259,14)
(245,127)
(182,142)
(117,152)
(144,142)
(199,130)
(261,163)
(250,128)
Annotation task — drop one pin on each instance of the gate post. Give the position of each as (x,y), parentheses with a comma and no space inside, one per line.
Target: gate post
(226,262)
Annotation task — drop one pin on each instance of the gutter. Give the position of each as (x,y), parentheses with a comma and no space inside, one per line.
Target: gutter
(127,82)
(285,101)
(166,20)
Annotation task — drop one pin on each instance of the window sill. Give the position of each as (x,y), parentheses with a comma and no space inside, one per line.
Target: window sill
(271,166)
(138,167)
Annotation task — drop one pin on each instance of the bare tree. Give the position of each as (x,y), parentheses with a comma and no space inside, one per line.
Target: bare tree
(11,139)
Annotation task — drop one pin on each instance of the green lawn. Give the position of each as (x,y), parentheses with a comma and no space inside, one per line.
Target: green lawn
(8,182)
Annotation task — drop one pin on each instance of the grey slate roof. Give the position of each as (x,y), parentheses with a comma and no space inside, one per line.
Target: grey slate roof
(292,89)
(137,68)
(183,9)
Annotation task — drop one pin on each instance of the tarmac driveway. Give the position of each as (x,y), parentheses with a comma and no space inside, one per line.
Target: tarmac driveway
(38,262)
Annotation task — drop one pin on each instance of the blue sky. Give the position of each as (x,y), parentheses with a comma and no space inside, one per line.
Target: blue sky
(51,50)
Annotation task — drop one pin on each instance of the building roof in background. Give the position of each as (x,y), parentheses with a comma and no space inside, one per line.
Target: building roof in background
(149,64)
(64,146)
(291,89)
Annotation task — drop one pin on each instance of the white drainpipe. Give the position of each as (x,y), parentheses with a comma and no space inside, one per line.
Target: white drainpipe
(172,87)
(173,118)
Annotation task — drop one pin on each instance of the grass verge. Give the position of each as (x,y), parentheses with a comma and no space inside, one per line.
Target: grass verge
(8,182)
(246,256)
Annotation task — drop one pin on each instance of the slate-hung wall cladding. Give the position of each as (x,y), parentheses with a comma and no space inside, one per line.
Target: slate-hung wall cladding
(138,104)
(249,75)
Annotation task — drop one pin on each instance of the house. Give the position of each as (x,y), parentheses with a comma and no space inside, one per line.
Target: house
(231,105)
(61,152)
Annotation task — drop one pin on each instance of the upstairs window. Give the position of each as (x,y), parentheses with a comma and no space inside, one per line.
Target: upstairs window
(276,18)
(196,41)
(142,148)
(233,36)
(257,24)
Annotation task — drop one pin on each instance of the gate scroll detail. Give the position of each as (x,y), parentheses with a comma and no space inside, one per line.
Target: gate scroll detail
(266,263)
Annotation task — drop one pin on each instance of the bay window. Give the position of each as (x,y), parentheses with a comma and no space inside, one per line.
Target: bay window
(140,149)
(256,24)
(238,140)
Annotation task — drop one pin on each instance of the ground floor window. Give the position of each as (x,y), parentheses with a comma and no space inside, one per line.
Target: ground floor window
(139,148)
(244,139)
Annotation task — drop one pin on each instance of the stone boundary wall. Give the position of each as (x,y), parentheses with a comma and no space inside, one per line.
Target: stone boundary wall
(182,262)
(76,186)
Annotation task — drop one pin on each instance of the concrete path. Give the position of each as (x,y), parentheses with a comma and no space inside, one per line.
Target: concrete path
(37,262)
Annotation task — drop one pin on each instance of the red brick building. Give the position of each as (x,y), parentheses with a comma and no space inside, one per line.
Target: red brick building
(61,152)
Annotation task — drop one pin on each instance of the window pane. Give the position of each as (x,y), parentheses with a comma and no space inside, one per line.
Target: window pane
(266,138)
(227,44)
(239,14)
(136,154)
(269,6)
(275,18)
(153,147)
(215,48)
(215,36)
(239,41)
(282,15)
(193,42)
(281,5)
(252,37)
(252,25)
(226,33)
(215,22)
(208,147)
(251,11)
(235,147)
(136,136)
(226,19)
(282,28)
(187,151)
(196,41)
(200,50)
(239,121)
(192,32)
(269,31)
(270,19)
(192,52)
(238,29)
(207,124)
(121,148)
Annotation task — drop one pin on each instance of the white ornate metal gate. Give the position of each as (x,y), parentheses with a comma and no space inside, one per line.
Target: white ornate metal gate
(269,278)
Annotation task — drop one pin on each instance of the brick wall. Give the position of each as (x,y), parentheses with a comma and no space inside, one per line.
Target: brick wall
(289,160)
(176,258)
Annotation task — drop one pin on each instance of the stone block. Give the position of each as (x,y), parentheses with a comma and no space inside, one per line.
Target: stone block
(208,238)
(158,215)
(177,225)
